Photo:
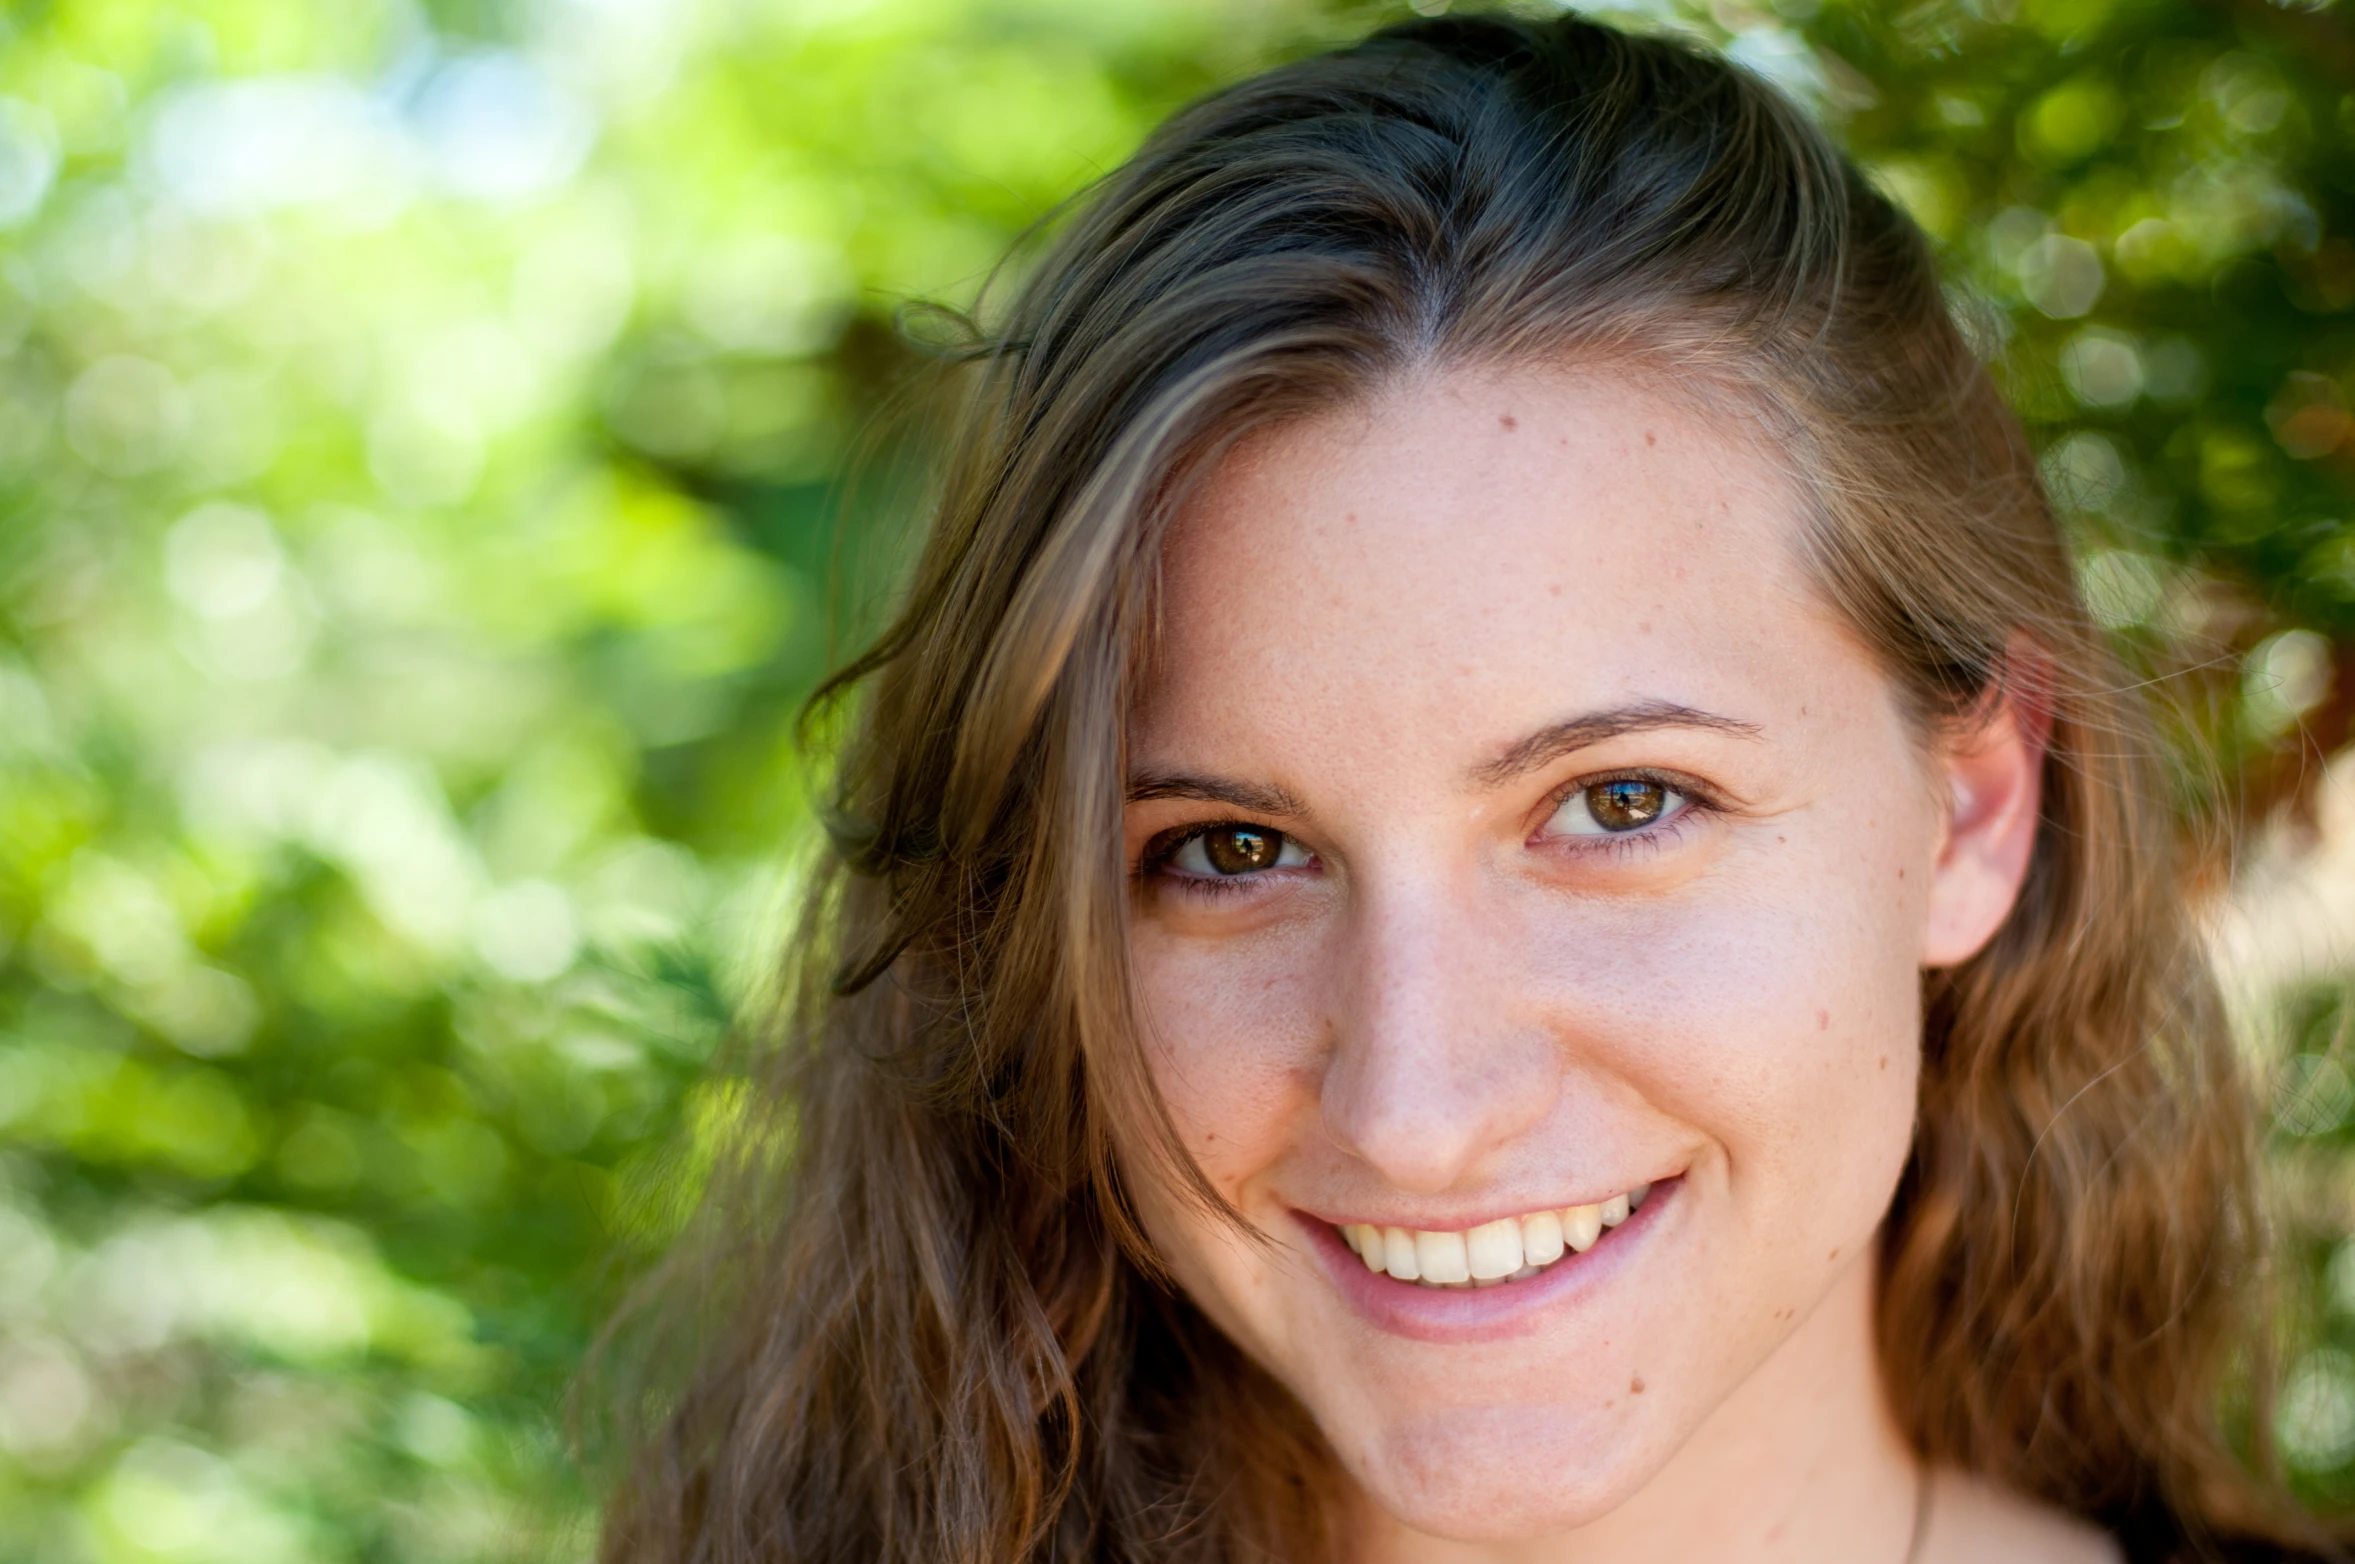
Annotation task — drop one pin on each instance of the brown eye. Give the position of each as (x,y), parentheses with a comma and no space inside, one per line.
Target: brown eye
(1615,806)
(1626,803)
(1239,849)
(1234,849)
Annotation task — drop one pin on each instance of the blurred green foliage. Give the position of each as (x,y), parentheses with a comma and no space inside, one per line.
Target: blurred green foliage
(422,439)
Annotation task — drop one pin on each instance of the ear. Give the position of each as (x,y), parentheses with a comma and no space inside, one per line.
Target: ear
(1994,771)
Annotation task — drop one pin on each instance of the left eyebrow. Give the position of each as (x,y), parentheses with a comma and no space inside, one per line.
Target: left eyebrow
(1551,743)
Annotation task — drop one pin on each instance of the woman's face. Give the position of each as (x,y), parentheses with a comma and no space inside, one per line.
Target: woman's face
(1516,828)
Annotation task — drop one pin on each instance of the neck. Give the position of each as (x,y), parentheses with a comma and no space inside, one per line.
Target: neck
(1802,1462)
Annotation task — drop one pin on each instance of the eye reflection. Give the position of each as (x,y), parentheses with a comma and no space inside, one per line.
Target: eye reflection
(1236,848)
(1615,805)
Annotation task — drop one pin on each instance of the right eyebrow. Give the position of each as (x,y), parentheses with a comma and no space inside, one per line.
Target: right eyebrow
(1256,797)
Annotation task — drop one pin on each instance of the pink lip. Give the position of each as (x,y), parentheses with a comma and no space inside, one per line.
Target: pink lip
(1484,1313)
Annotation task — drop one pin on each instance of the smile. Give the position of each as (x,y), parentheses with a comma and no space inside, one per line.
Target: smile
(1510,1249)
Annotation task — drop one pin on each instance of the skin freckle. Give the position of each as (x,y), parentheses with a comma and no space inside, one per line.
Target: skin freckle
(1379,1030)
(1648,438)
(1509,421)
(1884,1061)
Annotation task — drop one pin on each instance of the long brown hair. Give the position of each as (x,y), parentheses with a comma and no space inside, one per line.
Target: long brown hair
(941,1337)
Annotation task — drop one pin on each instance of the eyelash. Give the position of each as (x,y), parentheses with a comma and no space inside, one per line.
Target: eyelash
(1652,838)
(1153,863)
(1618,846)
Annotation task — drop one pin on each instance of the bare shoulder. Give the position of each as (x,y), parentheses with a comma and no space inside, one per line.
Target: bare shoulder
(1972,1523)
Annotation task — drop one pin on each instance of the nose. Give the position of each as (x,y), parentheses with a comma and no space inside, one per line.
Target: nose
(1437,1064)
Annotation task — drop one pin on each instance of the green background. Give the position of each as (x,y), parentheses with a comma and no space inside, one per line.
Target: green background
(422,434)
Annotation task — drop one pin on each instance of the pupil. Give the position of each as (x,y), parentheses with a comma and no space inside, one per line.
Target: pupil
(1625,804)
(1239,849)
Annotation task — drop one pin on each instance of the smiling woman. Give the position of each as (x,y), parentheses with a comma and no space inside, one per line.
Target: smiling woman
(1492,902)
(1549,1015)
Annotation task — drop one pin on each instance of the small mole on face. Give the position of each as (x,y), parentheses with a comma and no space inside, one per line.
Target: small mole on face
(1901,874)
(1648,439)
(1884,1061)
(1834,1255)
(1823,1020)
(1635,1386)
(1509,421)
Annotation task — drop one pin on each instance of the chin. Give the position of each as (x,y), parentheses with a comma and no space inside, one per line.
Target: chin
(1502,1474)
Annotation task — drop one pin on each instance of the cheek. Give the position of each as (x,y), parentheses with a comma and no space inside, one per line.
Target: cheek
(1775,1009)
(1233,1041)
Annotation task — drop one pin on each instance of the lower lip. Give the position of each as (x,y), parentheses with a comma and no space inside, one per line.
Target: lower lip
(1441,1314)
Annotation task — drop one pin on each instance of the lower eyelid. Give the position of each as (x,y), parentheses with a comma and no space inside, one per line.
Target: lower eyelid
(1656,832)
(1220,885)
(1165,869)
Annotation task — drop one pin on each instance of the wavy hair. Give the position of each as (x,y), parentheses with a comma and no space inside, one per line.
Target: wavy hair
(931,1330)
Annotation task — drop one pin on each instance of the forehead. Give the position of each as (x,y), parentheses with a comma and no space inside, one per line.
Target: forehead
(1476,550)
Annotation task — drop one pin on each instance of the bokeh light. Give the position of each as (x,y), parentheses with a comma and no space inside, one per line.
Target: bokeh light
(424,433)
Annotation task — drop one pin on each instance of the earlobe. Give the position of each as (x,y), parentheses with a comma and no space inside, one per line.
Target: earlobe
(1996,773)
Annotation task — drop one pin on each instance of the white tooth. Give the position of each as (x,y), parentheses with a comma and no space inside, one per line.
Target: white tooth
(1442,1257)
(1614,1210)
(1493,1249)
(1541,1237)
(1367,1240)
(1523,1274)
(1488,1281)
(1398,1254)
(1637,1196)
(1581,1226)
